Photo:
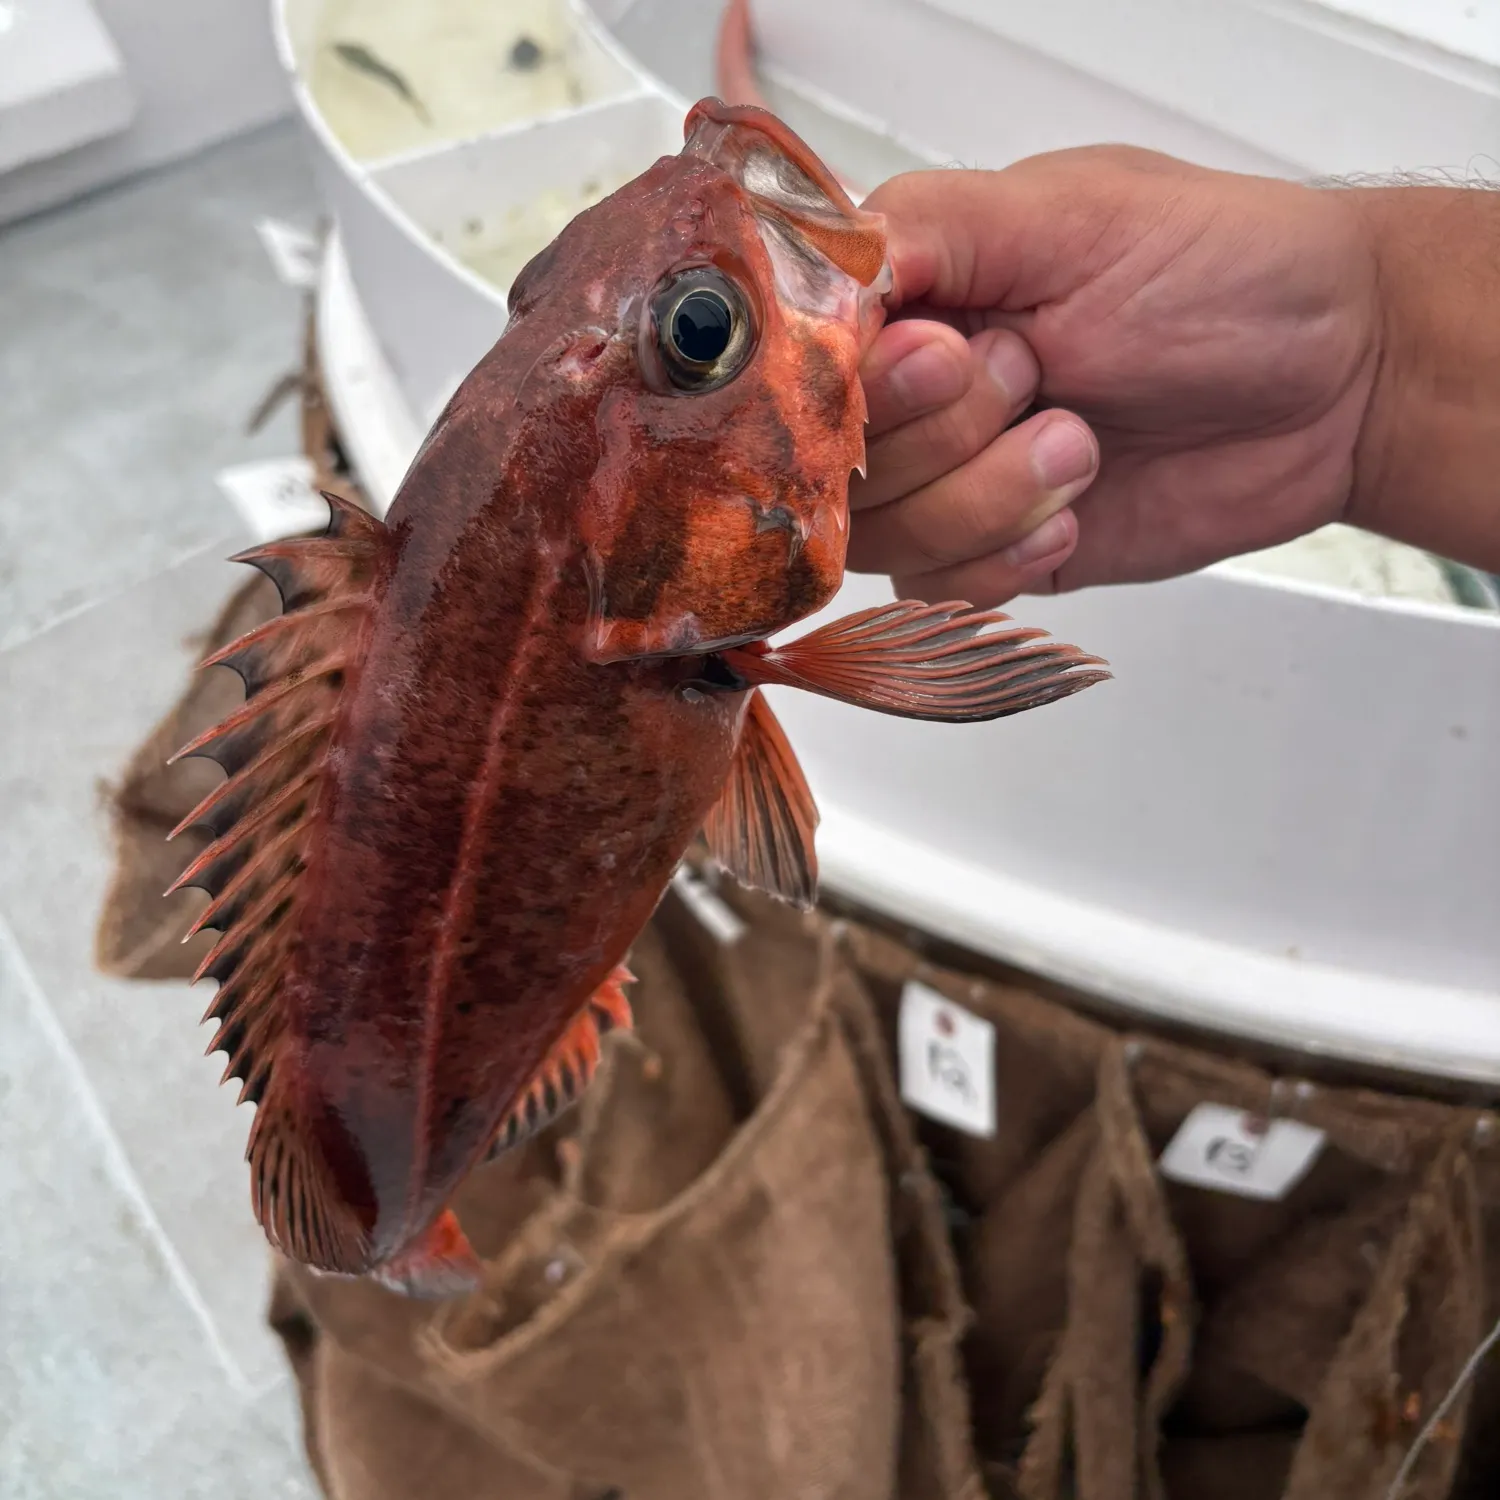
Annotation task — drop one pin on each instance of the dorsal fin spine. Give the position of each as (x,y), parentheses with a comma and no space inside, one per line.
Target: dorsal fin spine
(247,825)
(254,1023)
(279,625)
(346,519)
(254,914)
(289,549)
(250,958)
(252,769)
(253,707)
(240,994)
(235,887)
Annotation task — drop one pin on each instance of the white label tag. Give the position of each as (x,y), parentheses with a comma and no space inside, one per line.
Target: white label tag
(717,916)
(947,1060)
(275,498)
(1235,1152)
(293,252)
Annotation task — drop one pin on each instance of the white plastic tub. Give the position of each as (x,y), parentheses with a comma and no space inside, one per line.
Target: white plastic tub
(452,214)
(432,316)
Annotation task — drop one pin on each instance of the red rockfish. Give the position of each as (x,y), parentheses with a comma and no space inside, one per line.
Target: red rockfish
(482,734)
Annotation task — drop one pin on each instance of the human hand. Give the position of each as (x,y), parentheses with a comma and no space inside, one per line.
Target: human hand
(1217,335)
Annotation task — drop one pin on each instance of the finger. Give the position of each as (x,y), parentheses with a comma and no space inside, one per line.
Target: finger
(1026,475)
(1030,567)
(912,368)
(967,320)
(926,447)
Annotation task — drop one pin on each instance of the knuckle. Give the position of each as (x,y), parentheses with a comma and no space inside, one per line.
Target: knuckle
(915,538)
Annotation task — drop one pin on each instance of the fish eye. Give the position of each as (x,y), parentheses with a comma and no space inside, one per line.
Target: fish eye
(703,330)
(702,323)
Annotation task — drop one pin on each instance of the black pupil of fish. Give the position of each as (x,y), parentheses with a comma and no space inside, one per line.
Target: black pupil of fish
(701,327)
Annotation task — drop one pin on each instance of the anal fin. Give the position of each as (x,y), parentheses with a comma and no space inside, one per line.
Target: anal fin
(761,828)
(440,1263)
(925,661)
(569,1068)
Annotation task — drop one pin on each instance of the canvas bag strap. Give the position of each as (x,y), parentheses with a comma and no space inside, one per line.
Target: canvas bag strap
(1097,1412)
(1404,1350)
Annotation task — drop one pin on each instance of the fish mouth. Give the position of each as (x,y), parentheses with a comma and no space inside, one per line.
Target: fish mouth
(789,186)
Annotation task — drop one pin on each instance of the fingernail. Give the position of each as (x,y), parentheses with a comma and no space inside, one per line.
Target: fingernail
(1062,453)
(1013,367)
(1048,538)
(927,378)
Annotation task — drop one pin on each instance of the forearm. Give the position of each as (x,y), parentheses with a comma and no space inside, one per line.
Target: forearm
(1427,468)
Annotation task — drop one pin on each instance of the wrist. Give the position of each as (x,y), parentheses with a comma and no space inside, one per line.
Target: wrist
(1380,419)
(1427,459)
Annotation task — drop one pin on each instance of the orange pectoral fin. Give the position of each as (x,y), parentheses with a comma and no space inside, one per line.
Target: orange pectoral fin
(926,661)
(441,1263)
(761,828)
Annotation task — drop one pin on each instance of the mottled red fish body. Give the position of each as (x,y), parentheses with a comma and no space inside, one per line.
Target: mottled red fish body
(522,759)
(499,829)
(484,733)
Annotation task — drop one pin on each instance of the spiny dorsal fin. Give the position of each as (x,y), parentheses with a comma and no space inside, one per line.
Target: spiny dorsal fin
(306,569)
(761,828)
(274,747)
(569,1068)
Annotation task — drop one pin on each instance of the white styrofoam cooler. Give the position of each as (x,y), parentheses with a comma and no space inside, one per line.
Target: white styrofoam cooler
(1280,820)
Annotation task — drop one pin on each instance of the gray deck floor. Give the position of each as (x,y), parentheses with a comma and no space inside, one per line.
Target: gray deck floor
(138,330)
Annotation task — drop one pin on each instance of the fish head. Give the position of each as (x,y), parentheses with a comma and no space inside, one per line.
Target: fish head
(715,311)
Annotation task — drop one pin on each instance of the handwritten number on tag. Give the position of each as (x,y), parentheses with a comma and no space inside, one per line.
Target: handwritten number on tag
(1248,1155)
(947,1060)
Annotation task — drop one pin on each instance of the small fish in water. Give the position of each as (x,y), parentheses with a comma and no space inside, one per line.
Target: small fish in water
(359,57)
(482,735)
(525,55)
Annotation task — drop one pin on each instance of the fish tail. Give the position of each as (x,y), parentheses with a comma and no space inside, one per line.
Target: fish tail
(440,1263)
